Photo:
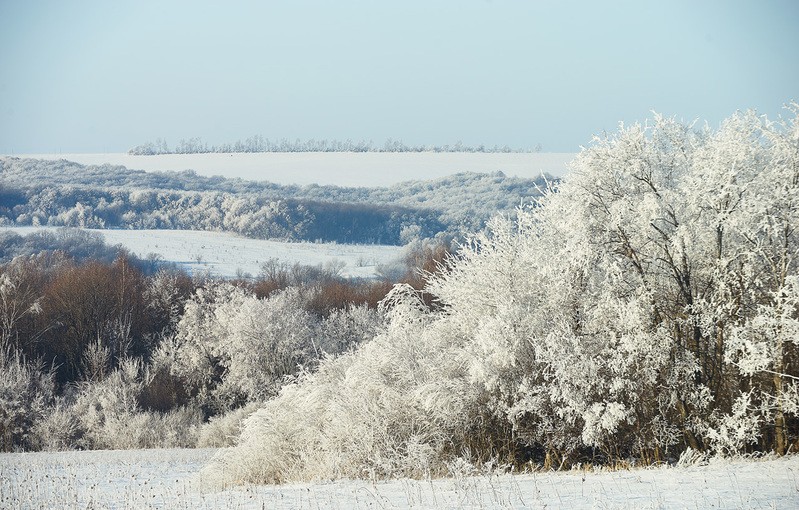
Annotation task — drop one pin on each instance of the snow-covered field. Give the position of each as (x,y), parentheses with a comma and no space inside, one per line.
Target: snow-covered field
(228,255)
(334,168)
(143,479)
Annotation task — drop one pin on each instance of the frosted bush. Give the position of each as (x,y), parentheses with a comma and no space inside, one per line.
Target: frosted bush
(26,392)
(105,408)
(224,430)
(162,294)
(177,428)
(233,347)
(59,429)
(345,329)
(375,412)
(731,433)
(107,414)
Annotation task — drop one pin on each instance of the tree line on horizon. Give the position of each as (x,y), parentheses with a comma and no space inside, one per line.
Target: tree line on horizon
(258,143)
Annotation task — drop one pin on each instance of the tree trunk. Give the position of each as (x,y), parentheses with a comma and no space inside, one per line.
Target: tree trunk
(689,436)
(779,419)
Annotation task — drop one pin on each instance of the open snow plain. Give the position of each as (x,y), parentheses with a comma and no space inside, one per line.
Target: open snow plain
(334,168)
(141,479)
(228,255)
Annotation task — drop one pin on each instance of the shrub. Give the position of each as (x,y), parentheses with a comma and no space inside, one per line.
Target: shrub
(26,392)
(224,430)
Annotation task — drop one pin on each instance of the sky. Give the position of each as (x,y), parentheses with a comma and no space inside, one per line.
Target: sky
(103,76)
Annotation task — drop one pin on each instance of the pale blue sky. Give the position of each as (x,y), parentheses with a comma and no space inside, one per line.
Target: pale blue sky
(94,76)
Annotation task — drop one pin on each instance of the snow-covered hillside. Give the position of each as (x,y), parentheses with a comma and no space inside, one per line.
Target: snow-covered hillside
(65,193)
(143,479)
(228,255)
(334,168)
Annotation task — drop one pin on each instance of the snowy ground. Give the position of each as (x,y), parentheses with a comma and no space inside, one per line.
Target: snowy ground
(228,255)
(168,479)
(335,168)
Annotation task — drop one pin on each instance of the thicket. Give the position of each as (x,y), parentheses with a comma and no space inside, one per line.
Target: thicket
(100,354)
(645,307)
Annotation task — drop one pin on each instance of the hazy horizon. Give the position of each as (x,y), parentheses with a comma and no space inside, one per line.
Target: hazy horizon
(93,76)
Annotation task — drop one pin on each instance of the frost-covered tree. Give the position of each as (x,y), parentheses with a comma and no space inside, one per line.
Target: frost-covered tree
(235,347)
(758,243)
(671,241)
(18,300)
(26,392)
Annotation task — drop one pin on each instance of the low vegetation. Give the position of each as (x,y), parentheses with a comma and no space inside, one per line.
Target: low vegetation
(122,354)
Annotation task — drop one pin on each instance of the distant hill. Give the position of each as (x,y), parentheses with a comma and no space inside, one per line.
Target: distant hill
(359,169)
(63,193)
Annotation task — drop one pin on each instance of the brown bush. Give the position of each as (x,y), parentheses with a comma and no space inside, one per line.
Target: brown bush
(93,303)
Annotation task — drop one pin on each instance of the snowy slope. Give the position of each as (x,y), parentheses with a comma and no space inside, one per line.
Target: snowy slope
(335,168)
(228,255)
(168,479)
